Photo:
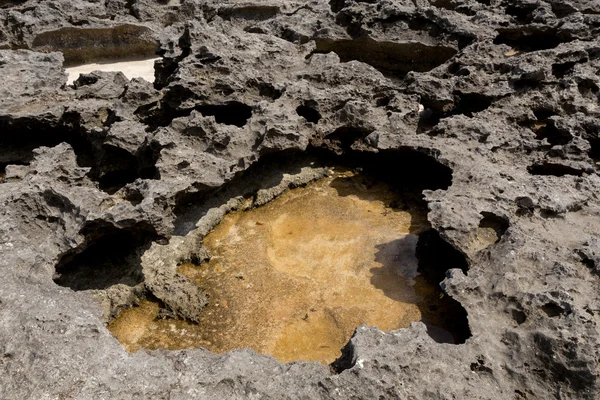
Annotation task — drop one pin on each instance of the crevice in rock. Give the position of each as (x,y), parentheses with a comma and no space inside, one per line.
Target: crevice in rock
(252,12)
(390,58)
(523,85)
(265,89)
(162,113)
(543,114)
(553,169)
(594,152)
(562,9)
(346,361)
(166,66)
(436,256)
(519,316)
(109,257)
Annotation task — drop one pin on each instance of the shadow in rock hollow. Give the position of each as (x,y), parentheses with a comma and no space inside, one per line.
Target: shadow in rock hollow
(411,271)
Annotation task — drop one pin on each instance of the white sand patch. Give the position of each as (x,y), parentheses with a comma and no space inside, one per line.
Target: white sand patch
(131,69)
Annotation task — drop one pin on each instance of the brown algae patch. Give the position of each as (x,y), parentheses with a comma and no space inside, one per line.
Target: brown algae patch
(295,277)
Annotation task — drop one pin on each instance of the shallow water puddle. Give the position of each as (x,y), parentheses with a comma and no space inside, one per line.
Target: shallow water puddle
(295,277)
(130,68)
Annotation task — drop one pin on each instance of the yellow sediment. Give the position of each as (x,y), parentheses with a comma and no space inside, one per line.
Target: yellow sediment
(295,277)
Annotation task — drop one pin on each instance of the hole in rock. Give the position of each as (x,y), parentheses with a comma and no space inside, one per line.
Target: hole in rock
(343,138)
(555,136)
(20,136)
(562,9)
(469,103)
(233,113)
(294,278)
(111,259)
(543,113)
(492,226)
(522,13)
(522,85)
(594,152)
(533,40)
(588,88)
(118,167)
(309,112)
(563,69)
(519,316)
(552,310)
(390,58)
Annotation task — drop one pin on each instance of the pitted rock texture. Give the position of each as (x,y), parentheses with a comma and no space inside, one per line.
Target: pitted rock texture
(504,94)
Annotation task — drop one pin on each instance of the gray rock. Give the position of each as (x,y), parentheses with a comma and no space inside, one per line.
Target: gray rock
(504,95)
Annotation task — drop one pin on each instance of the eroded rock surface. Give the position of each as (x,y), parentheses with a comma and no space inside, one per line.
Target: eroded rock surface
(490,108)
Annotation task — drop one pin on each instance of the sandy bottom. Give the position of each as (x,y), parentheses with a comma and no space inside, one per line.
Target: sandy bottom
(131,69)
(295,277)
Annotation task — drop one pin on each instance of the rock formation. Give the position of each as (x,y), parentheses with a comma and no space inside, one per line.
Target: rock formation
(107,184)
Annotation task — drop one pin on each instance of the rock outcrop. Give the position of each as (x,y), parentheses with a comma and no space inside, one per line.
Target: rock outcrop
(107,184)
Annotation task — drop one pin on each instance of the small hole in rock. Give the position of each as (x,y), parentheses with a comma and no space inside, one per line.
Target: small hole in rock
(519,316)
(470,103)
(232,113)
(552,310)
(563,69)
(496,224)
(309,112)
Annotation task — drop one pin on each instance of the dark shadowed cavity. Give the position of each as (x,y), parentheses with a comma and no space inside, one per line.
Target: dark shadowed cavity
(498,224)
(529,40)
(309,111)
(392,59)
(232,113)
(436,256)
(110,166)
(112,258)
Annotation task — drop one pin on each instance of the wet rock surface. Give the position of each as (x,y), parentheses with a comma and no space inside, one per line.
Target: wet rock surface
(490,109)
